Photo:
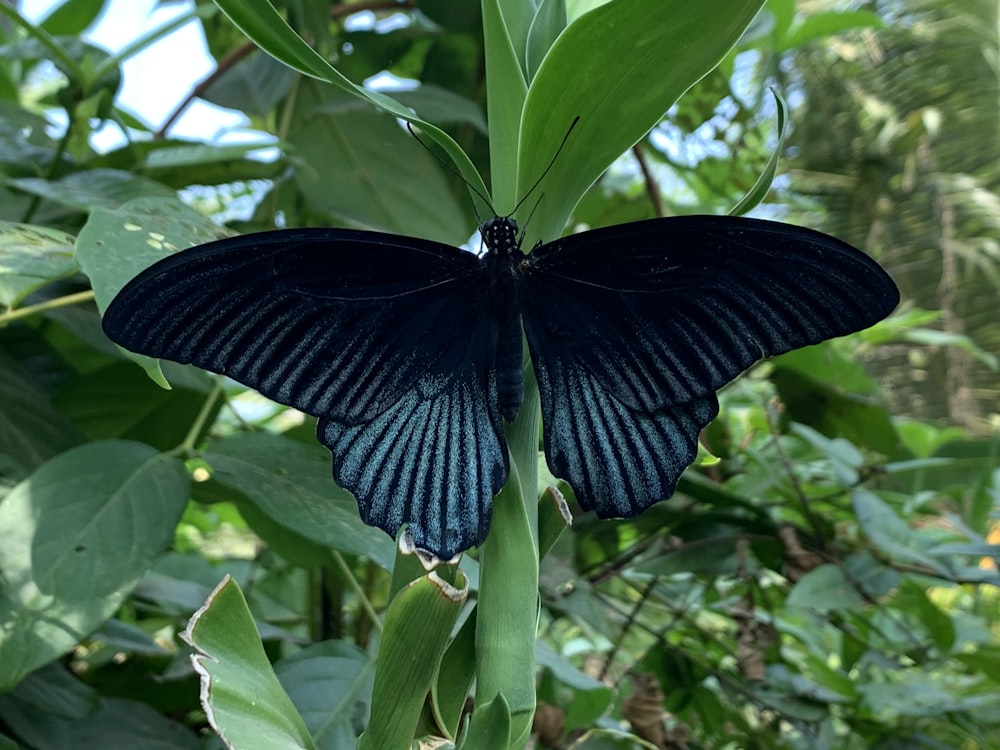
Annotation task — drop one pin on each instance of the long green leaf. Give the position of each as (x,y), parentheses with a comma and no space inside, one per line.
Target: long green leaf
(418,624)
(618,68)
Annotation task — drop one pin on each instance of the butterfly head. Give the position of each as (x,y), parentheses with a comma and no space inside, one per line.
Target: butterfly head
(501,236)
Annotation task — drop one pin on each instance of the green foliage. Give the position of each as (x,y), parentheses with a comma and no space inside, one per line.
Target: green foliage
(829,582)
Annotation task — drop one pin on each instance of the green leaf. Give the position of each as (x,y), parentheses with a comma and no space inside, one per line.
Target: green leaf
(442,106)
(357,164)
(912,598)
(912,694)
(418,625)
(85,191)
(73,17)
(330,684)
(591,697)
(454,679)
(30,257)
(79,533)
(828,410)
(762,186)
(820,25)
(182,155)
(242,698)
(121,402)
(891,534)
(115,245)
(825,589)
(255,85)
(292,482)
(546,26)
(31,429)
(259,20)
(505,93)
(618,68)
(489,728)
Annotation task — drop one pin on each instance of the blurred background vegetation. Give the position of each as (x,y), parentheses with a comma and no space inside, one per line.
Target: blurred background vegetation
(829,583)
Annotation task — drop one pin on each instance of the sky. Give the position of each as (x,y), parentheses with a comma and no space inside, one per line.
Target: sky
(156,80)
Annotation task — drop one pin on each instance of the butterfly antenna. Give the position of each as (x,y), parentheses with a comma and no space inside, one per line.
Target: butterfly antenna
(459,175)
(549,167)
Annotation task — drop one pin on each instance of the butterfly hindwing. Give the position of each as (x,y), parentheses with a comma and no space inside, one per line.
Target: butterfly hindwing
(433,461)
(380,336)
(645,321)
(619,460)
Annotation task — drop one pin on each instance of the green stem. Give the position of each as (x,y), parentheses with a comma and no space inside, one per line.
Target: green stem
(59,54)
(53,167)
(52,304)
(199,423)
(353,584)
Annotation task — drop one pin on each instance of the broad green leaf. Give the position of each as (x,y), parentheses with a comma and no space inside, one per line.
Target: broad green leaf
(355,163)
(891,534)
(121,402)
(618,68)
(591,698)
(79,533)
(489,728)
(834,413)
(292,482)
(820,25)
(73,16)
(442,106)
(115,245)
(30,257)
(254,85)
(330,684)
(912,599)
(196,154)
(715,555)
(85,191)
(242,697)
(825,589)
(113,723)
(280,539)
(31,429)
(259,20)
(56,692)
(915,695)
(417,627)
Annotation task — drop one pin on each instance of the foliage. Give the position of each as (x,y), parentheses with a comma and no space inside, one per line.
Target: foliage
(826,583)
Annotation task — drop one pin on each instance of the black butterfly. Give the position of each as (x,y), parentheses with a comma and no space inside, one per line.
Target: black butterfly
(409,351)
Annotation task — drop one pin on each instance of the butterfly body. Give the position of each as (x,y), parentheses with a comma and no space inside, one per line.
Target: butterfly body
(410,351)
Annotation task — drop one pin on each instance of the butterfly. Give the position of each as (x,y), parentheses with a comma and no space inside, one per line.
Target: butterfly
(409,351)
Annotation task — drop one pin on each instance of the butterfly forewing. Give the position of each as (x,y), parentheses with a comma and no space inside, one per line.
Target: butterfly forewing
(668,310)
(333,322)
(633,328)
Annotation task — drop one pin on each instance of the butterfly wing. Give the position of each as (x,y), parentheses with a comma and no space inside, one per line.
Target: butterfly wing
(382,337)
(633,328)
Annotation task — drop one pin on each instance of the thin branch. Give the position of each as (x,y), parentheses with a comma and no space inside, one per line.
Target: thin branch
(52,304)
(652,186)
